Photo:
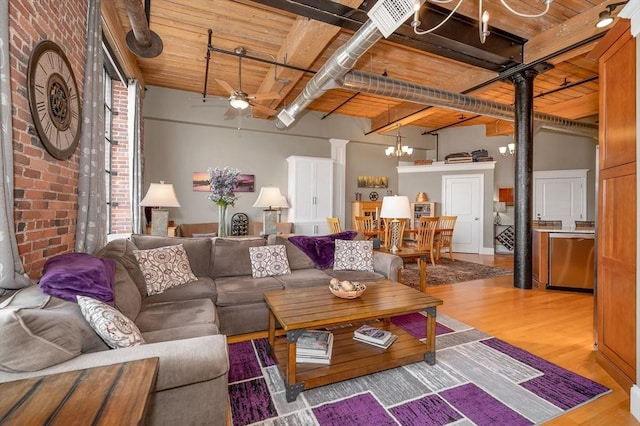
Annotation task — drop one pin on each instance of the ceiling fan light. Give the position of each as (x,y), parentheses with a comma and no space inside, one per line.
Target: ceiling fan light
(239,103)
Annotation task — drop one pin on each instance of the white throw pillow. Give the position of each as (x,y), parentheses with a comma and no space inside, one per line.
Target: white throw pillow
(353,255)
(267,261)
(112,326)
(164,267)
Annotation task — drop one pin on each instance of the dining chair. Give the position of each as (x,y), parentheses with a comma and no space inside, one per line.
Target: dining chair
(425,236)
(334,225)
(444,234)
(386,232)
(366,225)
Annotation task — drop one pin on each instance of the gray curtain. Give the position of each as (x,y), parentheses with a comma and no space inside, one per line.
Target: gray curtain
(11,270)
(135,154)
(91,231)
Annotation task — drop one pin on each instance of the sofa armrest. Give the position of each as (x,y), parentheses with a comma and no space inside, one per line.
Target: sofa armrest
(387,264)
(181,362)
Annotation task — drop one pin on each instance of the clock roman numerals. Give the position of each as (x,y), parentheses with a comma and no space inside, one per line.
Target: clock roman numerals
(54,99)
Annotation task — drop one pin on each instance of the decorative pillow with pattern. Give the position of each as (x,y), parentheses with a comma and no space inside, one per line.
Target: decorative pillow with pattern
(353,255)
(267,261)
(112,326)
(164,267)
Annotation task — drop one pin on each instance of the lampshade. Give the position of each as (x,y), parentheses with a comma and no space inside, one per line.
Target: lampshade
(499,206)
(160,195)
(284,204)
(395,207)
(269,197)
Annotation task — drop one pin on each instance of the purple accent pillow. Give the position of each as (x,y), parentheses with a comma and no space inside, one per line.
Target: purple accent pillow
(321,249)
(78,274)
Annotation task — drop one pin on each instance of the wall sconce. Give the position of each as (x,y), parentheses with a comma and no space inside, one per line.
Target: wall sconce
(160,195)
(510,149)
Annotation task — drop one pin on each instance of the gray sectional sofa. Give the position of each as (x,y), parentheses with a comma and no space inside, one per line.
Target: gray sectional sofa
(185,326)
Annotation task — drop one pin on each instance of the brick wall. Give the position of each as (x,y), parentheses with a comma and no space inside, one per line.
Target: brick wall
(45,193)
(120,191)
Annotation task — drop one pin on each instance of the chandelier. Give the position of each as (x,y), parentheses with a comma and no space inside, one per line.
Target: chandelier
(398,150)
(483,16)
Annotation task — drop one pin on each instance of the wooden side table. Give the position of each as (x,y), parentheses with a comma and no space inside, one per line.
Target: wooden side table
(108,395)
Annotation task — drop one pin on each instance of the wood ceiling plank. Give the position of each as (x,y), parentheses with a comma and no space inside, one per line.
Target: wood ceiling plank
(575,108)
(116,39)
(304,43)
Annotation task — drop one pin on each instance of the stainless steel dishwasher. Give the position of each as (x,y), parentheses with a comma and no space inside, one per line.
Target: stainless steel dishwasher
(571,261)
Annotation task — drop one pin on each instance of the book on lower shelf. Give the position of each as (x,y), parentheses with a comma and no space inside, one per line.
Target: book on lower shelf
(379,345)
(314,347)
(374,336)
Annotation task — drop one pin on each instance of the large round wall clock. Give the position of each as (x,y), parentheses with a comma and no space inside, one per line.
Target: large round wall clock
(54,99)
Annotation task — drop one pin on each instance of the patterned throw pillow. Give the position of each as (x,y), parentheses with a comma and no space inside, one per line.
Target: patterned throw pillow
(112,326)
(164,267)
(267,261)
(353,256)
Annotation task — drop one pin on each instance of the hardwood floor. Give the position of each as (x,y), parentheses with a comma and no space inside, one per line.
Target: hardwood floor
(555,325)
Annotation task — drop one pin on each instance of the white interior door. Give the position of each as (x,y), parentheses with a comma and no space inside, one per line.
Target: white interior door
(560,195)
(463,197)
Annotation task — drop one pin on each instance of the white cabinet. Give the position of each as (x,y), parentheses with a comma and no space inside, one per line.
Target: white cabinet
(310,191)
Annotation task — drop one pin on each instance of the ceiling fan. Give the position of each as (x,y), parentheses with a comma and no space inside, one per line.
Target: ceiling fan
(240,100)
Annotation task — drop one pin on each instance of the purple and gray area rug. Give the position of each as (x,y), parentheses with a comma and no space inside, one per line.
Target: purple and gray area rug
(477,379)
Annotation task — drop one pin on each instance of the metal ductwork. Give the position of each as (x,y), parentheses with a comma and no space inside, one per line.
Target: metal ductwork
(335,68)
(383,86)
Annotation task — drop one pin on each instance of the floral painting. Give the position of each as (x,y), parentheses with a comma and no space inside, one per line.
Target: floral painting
(246,183)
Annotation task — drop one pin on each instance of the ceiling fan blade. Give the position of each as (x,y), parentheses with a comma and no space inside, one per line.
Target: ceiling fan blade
(265,96)
(230,113)
(264,109)
(226,86)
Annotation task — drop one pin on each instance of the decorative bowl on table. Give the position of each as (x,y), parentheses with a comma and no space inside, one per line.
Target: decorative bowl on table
(346,289)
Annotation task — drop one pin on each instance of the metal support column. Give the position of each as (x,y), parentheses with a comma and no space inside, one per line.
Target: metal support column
(522,264)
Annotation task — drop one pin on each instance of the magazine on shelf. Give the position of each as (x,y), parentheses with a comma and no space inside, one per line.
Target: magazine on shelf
(314,343)
(323,357)
(379,345)
(372,334)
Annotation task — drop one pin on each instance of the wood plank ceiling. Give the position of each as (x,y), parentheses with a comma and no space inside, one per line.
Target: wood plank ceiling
(568,90)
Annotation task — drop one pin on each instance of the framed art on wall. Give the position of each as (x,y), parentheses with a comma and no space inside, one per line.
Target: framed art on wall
(246,183)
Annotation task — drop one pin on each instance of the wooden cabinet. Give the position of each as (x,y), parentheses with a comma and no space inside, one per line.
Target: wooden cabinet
(310,190)
(365,208)
(540,249)
(616,227)
(418,210)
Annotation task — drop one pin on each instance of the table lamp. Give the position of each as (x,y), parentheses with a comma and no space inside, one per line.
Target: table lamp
(395,207)
(271,200)
(160,195)
(499,207)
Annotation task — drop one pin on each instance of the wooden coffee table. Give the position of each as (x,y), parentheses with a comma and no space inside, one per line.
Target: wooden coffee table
(312,308)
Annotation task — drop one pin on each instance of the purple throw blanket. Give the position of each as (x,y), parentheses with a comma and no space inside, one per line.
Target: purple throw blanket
(321,249)
(69,275)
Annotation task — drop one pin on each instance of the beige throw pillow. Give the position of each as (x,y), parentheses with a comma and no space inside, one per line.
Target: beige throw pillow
(267,261)
(112,326)
(164,267)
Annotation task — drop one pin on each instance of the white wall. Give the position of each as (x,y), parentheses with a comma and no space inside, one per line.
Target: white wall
(551,151)
(181,137)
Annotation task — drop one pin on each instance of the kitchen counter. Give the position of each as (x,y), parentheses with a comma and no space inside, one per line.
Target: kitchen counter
(563,258)
(566,230)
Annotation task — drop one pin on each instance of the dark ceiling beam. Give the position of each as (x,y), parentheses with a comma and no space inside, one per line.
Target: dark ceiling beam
(458,40)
